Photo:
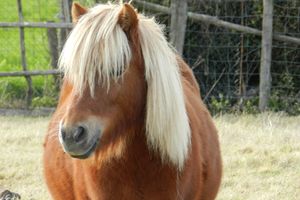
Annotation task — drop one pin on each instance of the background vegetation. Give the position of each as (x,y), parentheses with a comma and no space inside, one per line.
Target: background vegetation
(225,56)
(13,89)
(219,57)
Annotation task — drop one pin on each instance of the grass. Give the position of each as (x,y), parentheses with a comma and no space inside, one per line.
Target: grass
(37,53)
(261,156)
(13,89)
(21,161)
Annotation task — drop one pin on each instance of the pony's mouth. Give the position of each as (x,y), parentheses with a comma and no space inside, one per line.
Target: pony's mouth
(88,152)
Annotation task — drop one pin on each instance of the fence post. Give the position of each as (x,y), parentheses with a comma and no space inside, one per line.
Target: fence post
(266,55)
(53,48)
(65,16)
(242,86)
(178,24)
(23,56)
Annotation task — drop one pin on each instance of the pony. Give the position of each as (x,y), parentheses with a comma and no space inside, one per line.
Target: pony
(130,122)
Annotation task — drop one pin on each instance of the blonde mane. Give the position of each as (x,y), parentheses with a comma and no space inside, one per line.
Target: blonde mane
(98,45)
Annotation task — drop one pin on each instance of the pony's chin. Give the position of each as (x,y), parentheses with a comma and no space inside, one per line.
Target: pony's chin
(87,154)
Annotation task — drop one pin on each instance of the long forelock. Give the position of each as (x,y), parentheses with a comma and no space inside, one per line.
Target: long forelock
(97,49)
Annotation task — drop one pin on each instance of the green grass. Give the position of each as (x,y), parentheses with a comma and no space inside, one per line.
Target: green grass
(13,89)
(261,156)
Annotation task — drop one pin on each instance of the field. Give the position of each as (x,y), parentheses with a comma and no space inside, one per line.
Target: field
(261,156)
(13,89)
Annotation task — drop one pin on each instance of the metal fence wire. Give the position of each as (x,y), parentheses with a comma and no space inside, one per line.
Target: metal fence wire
(226,62)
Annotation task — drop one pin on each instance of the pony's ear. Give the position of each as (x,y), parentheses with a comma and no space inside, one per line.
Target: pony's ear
(77,11)
(128,17)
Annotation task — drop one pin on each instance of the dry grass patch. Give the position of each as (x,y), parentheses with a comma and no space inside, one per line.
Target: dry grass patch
(261,156)
(21,156)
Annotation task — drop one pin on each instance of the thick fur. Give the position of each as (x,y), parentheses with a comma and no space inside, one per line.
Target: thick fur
(158,141)
(99,46)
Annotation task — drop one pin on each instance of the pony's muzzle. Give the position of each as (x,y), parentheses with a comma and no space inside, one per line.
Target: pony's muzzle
(76,135)
(78,141)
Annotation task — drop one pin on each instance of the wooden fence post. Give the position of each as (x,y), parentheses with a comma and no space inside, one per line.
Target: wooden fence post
(65,16)
(242,86)
(266,55)
(207,19)
(178,24)
(23,56)
(54,53)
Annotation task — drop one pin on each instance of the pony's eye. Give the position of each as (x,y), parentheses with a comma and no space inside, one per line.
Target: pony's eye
(117,72)
(129,100)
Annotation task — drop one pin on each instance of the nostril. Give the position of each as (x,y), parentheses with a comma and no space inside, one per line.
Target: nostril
(63,133)
(79,134)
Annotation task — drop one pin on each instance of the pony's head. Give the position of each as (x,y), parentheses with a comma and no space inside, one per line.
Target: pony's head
(121,79)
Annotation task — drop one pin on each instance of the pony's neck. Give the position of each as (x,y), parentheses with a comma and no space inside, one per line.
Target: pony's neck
(138,167)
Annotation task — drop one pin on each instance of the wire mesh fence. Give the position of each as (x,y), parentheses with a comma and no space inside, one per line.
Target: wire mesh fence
(226,63)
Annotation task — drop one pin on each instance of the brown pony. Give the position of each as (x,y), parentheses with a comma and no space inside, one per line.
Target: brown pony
(130,123)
